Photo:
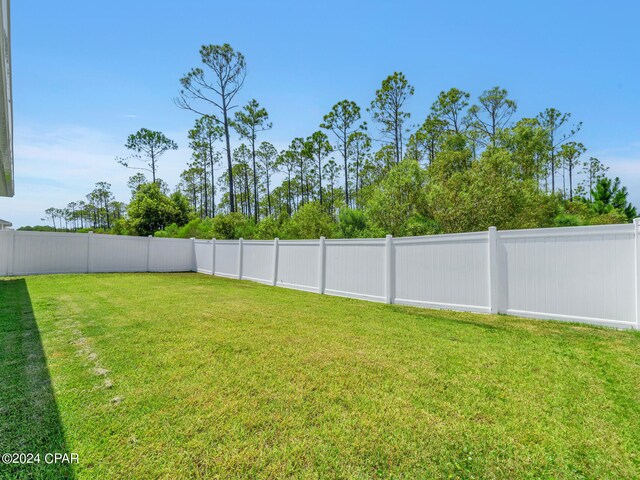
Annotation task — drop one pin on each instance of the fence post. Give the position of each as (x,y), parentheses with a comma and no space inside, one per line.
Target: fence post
(494,287)
(240,258)
(148,250)
(194,263)
(12,253)
(636,226)
(213,256)
(276,251)
(321,266)
(389,270)
(89,248)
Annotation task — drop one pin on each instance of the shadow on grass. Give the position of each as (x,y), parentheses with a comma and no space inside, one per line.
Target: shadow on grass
(29,418)
(446,316)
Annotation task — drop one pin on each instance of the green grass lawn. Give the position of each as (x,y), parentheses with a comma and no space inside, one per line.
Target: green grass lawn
(185,375)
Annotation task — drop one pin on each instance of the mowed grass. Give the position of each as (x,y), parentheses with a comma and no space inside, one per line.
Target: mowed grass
(189,376)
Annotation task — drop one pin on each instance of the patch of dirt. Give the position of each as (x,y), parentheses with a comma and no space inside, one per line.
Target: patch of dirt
(70,328)
(78,342)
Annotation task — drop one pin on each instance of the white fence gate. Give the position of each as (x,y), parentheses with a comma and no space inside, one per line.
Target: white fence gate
(584,274)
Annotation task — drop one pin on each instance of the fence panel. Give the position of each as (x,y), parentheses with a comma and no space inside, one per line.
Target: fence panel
(6,251)
(257,260)
(44,252)
(580,273)
(443,271)
(227,258)
(355,268)
(298,264)
(111,253)
(203,250)
(171,255)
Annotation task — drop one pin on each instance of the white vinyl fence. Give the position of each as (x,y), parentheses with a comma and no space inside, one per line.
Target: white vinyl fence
(28,253)
(583,274)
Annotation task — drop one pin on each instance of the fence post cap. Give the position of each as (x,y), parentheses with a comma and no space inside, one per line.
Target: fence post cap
(636,221)
(389,236)
(493,229)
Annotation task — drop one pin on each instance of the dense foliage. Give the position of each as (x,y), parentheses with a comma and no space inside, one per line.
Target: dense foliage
(151,210)
(468,165)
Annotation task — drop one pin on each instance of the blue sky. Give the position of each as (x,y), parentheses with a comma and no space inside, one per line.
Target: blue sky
(87,74)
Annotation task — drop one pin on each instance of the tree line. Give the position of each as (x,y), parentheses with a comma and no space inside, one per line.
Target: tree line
(98,210)
(468,164)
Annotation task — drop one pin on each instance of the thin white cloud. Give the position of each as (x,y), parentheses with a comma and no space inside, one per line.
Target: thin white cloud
(59,164)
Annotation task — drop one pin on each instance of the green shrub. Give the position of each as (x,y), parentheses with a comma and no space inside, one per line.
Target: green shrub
(352,223)
(420,225)
(567,220)
(267,229)
(310,221)
(231,226)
